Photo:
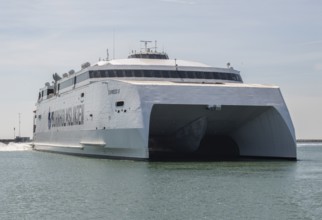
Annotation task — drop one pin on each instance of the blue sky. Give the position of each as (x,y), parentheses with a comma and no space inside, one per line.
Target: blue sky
(270,42)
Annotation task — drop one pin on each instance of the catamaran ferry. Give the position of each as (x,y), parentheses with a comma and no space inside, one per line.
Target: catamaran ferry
(149,106)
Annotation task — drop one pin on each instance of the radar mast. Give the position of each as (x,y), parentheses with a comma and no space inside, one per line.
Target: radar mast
(149,52)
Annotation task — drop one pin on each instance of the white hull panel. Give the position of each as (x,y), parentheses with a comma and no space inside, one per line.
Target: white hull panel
(120,118)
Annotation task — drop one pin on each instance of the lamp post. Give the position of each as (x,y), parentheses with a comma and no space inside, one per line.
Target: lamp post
(19,124)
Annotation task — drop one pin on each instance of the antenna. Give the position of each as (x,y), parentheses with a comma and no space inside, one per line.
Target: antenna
(113,44)
(19,123)
(107,55)
(145,44)
(155,45)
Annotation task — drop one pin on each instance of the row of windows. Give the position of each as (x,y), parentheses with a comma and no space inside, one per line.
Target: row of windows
(165,74)
(41,94)
(149,74)
(150,56)
(66,83)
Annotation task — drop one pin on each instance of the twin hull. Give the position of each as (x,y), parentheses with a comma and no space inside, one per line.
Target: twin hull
(136,119)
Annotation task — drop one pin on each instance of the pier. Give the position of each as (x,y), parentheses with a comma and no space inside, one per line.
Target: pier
(16,140)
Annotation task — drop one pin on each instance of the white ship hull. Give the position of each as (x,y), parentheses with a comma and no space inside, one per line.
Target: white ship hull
(134,119)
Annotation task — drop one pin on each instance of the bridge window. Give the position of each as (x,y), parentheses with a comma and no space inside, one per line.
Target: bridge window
(191,74)
(148,74)
(208,75)
(161,74)
(200,75)
(128,73)
(50,91)
(138,73)
(82,77)
(174,74)
(157,73)
(67,83)
(112,73)
(165,74)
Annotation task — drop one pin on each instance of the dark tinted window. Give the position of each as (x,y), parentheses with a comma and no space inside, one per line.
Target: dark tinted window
(148,74)
(208,75)
(97,74)
(165,74)
(119,103)
(50,91)
(216,75)
(138,73)
(103,73)
(67,83)
(221,76)
(182,74)
(199,75)
(120,73)
(191,74)
(82,77)
(157,73)
(111,73)
(128,73)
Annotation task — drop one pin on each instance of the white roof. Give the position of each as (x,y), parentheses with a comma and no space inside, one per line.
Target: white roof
(158,64)
(152,62)
(225,84)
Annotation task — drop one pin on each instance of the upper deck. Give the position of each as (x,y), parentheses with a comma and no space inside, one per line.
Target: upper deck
(159,70)
(143,66)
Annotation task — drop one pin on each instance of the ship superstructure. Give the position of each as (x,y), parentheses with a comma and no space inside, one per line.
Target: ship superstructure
(148,106)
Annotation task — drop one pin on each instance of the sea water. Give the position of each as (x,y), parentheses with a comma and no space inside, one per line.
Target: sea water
(38,185)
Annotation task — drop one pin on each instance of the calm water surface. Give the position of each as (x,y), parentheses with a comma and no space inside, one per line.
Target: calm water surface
(37,185)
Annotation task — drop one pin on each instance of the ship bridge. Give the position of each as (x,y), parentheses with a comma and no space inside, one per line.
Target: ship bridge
(149,52)
(149,55)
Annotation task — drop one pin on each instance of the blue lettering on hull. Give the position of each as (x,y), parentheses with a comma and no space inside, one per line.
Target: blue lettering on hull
(66,117)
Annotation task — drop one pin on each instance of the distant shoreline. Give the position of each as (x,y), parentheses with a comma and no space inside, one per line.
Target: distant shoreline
(308,140)
(6,141)
(26,139)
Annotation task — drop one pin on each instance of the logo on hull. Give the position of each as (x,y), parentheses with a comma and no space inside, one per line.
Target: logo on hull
(66,117)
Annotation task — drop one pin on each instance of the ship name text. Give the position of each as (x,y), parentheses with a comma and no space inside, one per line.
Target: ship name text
(66,117)
(114,91)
